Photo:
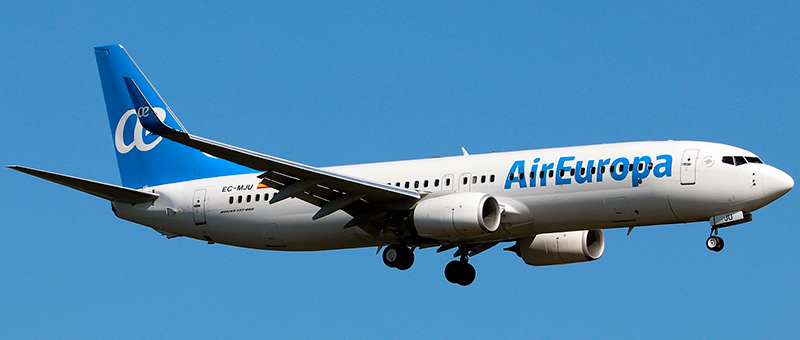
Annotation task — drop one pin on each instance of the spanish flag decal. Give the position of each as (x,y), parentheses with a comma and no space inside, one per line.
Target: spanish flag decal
(262,186)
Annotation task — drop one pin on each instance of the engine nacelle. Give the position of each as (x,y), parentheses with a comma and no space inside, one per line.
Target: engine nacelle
(457,215)
(563,247)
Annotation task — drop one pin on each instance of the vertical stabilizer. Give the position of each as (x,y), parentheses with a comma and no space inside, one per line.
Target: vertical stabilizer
(145,159)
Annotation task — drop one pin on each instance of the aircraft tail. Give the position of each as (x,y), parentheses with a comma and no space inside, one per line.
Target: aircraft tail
(145,159)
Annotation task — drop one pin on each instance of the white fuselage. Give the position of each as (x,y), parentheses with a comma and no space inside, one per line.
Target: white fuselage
(676,182)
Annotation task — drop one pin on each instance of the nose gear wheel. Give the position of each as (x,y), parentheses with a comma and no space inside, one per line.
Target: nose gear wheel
(714,242)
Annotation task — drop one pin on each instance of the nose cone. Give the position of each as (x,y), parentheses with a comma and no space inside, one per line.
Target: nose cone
(776,183)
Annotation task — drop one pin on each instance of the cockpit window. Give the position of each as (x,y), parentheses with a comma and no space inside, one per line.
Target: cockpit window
(727,160)
(739,160)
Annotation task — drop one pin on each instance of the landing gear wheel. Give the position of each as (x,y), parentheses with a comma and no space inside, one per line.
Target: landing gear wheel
(452,272)
(391,256)
(468,275)
(714,243)
(459,272)
(711,243)
(406,258)
(396,256)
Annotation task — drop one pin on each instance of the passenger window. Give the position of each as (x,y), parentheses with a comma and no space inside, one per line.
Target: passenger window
(649,166)
(754,160)
(551,172)
(258,197)
(541,174)
(240,199)
(483,178)
(572,172)
(416,184)
(407,185)
(622,168)
(630,167)
(425,184)
(397,184)
(641,166)
(491,178)
(561,174)
(230,200)
(447,182)
(475,178)
(727,160)
(466,179)
(510,177)
(266,197)
(248,198)
(603,169)
(593,169)
(436,183)
(740,160)
(583,171)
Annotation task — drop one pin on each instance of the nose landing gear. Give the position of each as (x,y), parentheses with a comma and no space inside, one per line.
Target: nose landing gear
(714,242)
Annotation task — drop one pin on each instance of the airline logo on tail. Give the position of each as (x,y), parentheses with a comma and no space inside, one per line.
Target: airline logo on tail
(139,133)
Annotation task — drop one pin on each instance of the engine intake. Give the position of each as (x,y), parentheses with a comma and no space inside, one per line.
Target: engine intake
(563,247)
(457,215)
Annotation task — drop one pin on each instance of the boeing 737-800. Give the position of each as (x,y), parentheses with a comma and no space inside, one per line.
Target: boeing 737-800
(550,205)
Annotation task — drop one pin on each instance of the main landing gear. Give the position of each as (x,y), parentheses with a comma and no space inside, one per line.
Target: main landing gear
(460,271)
(397,256)
(714,242)
(457,272)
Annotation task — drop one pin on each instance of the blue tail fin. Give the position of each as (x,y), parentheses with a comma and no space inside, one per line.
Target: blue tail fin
(145,159)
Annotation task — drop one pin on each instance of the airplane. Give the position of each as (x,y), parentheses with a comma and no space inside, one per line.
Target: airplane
(550,205)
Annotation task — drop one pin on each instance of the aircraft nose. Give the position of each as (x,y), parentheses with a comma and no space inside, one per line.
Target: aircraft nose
(777,183)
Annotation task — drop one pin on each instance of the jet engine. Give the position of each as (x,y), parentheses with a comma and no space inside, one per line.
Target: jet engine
(561,248)
(457,215)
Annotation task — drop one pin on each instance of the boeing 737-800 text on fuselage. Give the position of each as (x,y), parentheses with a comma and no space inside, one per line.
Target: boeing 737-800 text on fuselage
(550,205)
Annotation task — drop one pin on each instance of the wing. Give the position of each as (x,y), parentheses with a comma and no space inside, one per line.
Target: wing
(369,203)
(103,190)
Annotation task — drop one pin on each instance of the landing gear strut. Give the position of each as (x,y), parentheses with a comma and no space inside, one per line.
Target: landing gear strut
(714,242)
(460,271)
(397,256)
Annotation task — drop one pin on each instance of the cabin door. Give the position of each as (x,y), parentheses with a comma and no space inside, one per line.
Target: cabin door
(688,166)
(199,206)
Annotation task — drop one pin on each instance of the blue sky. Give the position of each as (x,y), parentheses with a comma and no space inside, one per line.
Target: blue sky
(341,83)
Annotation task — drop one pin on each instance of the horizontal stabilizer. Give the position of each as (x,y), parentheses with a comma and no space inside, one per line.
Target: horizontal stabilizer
(103,190)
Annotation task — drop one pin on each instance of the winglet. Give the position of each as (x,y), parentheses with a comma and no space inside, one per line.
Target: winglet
(146,113)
